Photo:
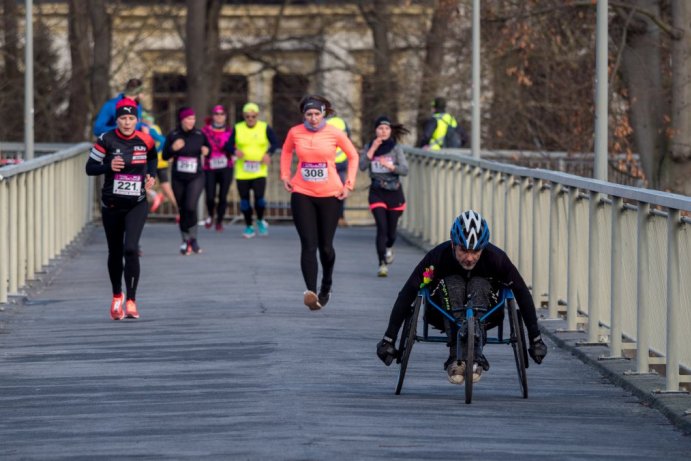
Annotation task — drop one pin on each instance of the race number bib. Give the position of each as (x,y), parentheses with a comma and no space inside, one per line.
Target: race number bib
(187,164)
(251,167)
(216,163)
(314,172)
(378,164)
(127,184)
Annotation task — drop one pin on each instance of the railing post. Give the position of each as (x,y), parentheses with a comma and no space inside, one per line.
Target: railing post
(12,221)
(596,267)
(615,336)
(537,244)
(571,241)
(554,246)
(643,287)
(30,224)
(21,230)
(523,257)
(4,240)
(674,312)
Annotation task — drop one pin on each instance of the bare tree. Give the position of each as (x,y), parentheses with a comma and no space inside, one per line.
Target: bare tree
(78,113)
(101,29)
(677,170)
(430,83)
(11,81)
(202,51)
(377,15)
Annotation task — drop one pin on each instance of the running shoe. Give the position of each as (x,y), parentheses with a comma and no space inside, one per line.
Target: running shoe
(388,256)
(157,202)
(219,226)
(455,372)
(116,312)
(195,246)
(248,233)
(324,298)
(383,271)
(185,248)
(477,372)
(263,227)
(131,309)
(208,222)
(312,300)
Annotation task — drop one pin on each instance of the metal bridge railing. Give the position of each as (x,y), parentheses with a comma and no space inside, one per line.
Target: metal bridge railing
(44,205)
(615,256)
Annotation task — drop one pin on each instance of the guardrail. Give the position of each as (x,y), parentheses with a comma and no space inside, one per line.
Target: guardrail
(610,254)
(44,205)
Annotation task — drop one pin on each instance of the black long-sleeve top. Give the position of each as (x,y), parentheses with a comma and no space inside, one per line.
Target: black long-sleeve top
(494,265)
(127,186)
(188,160)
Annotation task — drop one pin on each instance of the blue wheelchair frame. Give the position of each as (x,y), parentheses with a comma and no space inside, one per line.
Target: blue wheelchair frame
(468,326)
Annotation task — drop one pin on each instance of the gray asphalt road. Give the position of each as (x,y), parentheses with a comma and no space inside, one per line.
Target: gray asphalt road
(227,363)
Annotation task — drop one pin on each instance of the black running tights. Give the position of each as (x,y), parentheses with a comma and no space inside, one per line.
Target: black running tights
(187,192)
(316,219)
(387,222)
(123,228)
(217,181)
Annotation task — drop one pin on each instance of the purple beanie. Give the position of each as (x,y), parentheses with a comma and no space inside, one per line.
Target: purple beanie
(185,112)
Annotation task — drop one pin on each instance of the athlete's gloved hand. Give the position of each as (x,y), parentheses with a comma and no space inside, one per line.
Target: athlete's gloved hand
(386,350)
(538,349)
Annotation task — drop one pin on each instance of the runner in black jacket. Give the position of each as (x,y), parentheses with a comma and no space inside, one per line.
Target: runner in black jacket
(472,269)
(188,145)
(128,160)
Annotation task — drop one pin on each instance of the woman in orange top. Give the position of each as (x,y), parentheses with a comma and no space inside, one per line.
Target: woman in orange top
(316,191)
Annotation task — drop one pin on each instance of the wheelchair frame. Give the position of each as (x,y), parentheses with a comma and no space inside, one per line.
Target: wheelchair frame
(470,325)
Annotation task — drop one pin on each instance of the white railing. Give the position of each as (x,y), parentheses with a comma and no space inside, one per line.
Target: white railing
(615,256)
(44,205)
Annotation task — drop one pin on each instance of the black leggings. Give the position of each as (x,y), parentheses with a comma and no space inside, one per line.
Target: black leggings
(217,180)
(387,222)
(316,219)
(187,192)
(258,185)
(123,228)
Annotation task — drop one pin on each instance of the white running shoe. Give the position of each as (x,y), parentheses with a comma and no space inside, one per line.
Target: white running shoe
(388,256)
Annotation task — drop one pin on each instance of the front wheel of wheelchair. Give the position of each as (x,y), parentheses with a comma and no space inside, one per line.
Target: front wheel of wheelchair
(407,340)
(520,352)
(469,357)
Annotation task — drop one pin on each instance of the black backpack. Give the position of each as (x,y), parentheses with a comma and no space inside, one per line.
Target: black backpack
(454,137)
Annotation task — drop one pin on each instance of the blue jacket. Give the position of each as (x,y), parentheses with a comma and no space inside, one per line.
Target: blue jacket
(105,120)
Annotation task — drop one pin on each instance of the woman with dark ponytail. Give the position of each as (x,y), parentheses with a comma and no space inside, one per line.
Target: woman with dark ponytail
(316,191)
(386,162)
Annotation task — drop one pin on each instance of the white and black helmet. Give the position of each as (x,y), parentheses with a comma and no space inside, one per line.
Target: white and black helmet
(470,231)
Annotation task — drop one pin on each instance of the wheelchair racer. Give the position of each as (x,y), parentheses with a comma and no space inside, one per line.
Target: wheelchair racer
(465,270)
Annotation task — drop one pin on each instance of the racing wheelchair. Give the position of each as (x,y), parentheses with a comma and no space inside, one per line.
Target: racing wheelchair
(471,335)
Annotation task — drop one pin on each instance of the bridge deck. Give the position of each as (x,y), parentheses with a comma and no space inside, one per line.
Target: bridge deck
(226,363)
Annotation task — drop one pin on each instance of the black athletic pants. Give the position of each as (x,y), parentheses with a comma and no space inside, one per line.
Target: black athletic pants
(187,192)
(387,222)
(123,228)
(258,185)
(217,181)
(316,219)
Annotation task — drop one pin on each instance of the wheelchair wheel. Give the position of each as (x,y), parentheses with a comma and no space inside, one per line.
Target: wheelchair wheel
(407,340)
(469,357)
(518,345)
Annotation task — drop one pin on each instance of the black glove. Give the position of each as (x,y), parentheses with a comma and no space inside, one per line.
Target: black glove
(537,349)
(386,350)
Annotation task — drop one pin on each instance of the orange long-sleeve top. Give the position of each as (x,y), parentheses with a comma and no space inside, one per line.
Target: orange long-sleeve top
(316,173)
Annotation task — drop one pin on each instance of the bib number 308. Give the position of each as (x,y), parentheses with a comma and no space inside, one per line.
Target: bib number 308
(314,172)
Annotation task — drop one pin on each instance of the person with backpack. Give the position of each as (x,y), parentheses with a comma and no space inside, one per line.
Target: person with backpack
(441,130)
